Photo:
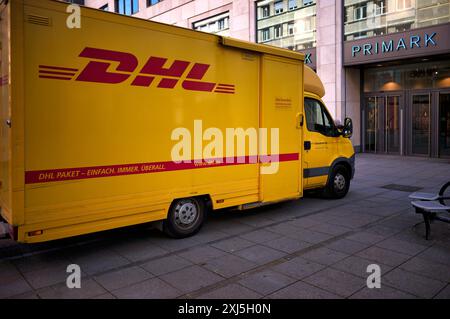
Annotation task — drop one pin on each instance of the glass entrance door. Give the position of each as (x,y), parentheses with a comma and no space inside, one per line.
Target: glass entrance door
(392,124)
(383,124)
(420,110)
(444,124)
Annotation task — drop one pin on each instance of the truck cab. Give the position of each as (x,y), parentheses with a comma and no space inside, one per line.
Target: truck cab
(328,154)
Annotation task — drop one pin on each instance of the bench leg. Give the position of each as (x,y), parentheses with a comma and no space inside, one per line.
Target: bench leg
(426,218)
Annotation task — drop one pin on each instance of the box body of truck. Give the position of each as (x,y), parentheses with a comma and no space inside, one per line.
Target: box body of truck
(88,117)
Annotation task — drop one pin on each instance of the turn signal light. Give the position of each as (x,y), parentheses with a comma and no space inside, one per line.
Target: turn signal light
(35,233)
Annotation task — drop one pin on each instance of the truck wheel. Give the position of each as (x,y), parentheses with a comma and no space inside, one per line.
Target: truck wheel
(185,218)
(338,182)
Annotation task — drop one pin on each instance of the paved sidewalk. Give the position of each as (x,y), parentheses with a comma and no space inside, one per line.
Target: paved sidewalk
(310,248)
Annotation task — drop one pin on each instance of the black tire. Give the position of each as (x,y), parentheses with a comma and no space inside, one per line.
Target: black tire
(185,218)
(338,182)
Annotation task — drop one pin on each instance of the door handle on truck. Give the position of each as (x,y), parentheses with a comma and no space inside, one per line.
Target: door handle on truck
(8,122)
(307,145)
(299,120)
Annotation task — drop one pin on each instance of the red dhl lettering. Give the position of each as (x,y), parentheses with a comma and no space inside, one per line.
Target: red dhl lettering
(156,70)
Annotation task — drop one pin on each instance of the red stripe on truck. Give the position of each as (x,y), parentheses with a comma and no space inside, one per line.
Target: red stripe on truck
(66,174)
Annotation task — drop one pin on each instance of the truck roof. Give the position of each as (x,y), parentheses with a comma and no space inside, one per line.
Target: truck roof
(312,82)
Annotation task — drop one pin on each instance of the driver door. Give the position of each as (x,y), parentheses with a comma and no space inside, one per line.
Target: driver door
(320,143)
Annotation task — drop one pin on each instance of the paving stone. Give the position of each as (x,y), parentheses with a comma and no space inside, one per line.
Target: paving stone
(11,286)
(99,261)
(266,282)
(436,254)
(229,265)
(384,292)
(384,256)
(324,256)
(302,290)
(298,267)
(358,266)
(412,283)
(165,265)
(444,293)
(401,246)
(139,250)
(121,278)
(232,244)
(309,236)
(232,291)
(427,268)
(330,229)
(347,246)
(259,254)
(366,238)
(304,222)
(89,288)
(191,278)
(336,282)
(153,288)
(27,295)
(105,296)
(47,276)
(260,236)
(201,254)
(41,261)
(287,245)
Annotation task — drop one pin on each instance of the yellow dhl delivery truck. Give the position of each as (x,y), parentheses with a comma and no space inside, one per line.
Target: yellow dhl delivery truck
(125,121)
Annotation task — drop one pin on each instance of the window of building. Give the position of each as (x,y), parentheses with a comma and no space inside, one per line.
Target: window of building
(360,12)
(292,4)
(380,7)
(278,31)
(404,4)
(152,2)
(317,118)
(215,24)
(127,7)
(307,2)
(278,6)
(79,2)
(104,7)
(265,11)
(291,28)
(265,34)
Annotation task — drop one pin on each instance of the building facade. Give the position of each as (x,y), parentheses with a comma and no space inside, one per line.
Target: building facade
(384,63)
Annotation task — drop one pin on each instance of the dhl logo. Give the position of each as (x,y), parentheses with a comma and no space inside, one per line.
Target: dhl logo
(155,70)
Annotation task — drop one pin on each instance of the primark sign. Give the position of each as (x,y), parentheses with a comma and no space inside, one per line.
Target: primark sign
(410,44)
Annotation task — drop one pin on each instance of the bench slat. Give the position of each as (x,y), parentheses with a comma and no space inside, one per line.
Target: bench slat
(431,206)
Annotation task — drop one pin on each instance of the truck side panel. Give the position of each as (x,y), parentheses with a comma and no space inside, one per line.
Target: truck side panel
(99,121)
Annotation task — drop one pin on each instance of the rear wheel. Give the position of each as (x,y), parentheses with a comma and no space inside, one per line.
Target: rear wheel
(185,217)
(338,182)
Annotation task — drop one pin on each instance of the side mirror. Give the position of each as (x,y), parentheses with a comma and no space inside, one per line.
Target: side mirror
(347,130)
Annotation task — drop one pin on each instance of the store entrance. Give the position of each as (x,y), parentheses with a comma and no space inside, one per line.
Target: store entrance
(383,123)
(410,122)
